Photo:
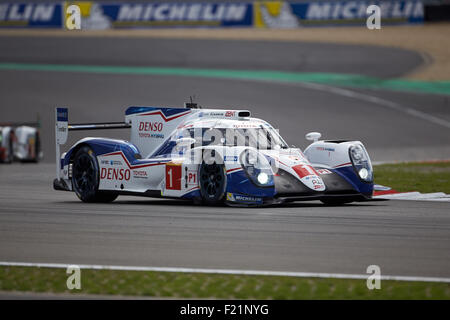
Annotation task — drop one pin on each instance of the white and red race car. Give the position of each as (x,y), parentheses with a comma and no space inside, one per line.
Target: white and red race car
(20,142)
(211,156)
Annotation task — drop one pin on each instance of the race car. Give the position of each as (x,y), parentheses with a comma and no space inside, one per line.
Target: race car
(209,156)
(20,142)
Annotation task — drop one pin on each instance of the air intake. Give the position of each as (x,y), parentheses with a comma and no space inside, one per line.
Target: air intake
(244,114)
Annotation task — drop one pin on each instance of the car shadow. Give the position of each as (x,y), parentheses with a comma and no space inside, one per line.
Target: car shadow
(188,203)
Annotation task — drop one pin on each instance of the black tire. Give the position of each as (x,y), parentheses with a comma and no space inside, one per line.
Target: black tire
(212,183)
(85,178)
(10,157)
(336,202)
(37,147)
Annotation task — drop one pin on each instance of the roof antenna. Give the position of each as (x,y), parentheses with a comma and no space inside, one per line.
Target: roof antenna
(192,104)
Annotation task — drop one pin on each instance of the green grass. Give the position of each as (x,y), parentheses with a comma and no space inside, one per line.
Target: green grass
(185,285)
(422,177)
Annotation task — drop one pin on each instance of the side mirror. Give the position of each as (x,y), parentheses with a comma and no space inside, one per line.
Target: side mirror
(185,142)
(313,136)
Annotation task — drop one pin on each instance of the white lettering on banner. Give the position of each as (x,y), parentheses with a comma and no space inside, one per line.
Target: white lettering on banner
(350,10)
(336,11)
(3,10)
(161,12)
(357,10)
(418,10)
(148,13)
(177,12)
(236,12)
(194,12)
(33,12)
(129,12)
(408,9)
(43,12)
(361,12)
(209,15)
(174,11)
(318,11)
(14,13)
(397,11)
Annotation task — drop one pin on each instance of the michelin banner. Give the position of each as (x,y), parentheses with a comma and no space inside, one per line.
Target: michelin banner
(164,14)
(279,14)
(260,14)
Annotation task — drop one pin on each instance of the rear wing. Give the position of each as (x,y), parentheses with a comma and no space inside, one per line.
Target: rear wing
(62,128)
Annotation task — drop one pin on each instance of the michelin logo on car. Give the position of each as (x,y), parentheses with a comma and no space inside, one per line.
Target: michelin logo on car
(243,198)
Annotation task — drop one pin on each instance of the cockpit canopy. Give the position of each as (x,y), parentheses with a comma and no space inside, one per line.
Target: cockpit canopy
(232,133)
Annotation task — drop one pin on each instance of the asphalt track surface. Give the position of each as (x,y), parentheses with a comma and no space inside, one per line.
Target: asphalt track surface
(37,224)
(409,238)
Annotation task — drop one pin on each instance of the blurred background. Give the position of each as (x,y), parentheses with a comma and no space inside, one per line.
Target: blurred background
(393,92)
(302,66)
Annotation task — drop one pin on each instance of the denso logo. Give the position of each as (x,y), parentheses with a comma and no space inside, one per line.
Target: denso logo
(115,174)
(230,113)
(150,126)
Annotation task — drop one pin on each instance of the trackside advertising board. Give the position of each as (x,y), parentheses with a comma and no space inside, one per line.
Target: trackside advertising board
(164,14)
(278,14)
(175,14)
(260,14)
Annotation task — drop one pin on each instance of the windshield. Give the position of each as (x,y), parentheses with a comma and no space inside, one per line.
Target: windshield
(259,138)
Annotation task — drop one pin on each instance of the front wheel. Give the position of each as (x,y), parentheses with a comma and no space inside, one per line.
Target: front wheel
(85,178)
(212,183)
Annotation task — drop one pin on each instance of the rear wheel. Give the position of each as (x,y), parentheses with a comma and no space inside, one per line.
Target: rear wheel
(85,178)
(212,183)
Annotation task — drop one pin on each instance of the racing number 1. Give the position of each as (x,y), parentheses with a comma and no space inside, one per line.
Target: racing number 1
(304,170)
(173,177)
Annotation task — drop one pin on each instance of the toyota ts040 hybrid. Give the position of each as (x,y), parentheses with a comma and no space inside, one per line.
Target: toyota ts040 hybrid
(20,142)
(209,156)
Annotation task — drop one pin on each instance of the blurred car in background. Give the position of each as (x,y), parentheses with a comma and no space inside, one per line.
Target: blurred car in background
(20,143)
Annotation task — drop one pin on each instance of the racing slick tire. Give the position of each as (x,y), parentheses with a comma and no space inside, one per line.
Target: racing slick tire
(212,183)
(85,178)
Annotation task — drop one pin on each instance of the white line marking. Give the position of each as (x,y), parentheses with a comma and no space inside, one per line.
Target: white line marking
(224,271)
(435,196)
(386,103)
(356,95)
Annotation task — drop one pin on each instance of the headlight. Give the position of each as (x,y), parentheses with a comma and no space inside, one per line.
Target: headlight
(257,168)
(361,162)
(363,173)
(263,178)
